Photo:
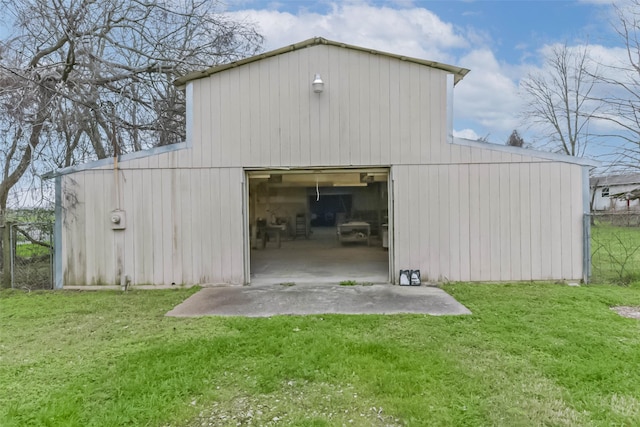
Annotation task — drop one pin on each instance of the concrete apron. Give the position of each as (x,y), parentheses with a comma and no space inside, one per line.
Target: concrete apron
(302,299)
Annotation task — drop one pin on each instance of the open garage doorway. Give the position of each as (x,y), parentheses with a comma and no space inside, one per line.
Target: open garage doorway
(318,226)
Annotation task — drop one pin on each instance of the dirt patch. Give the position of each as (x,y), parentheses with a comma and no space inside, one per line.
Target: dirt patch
(627,311)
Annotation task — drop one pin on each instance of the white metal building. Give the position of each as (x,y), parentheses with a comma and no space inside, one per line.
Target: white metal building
(263,141)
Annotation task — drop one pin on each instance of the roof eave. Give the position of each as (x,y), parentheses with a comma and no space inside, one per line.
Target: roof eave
(458,72)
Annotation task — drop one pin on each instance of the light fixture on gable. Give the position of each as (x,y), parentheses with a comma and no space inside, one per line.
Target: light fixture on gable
(318,84)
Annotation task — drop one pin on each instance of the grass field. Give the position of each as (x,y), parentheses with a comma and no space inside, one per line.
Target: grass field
(531,354)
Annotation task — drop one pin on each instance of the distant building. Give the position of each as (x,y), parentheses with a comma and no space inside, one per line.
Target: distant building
(615,192)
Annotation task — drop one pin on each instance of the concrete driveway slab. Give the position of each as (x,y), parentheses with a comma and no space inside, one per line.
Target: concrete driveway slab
(273,300)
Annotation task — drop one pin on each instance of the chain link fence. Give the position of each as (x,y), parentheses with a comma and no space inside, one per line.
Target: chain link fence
(615,247)
(31,255)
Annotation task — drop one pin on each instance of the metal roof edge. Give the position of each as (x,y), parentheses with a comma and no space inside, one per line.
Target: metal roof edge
(458,72)
(109,160)
(582,161)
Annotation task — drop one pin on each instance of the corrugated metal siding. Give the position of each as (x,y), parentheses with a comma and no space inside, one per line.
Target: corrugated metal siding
(374,110)
(489,222)
(182,226)
(460,212)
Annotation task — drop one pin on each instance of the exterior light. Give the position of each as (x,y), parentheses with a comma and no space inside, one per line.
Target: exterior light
(318,84)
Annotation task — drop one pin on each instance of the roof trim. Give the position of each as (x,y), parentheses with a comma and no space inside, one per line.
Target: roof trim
(458,72)
(582,161)
(122,158)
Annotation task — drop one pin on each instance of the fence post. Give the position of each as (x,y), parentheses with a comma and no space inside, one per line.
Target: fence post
(6,255)
(586,254)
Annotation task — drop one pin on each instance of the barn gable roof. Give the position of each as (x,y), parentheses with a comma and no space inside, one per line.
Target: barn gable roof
(458,72)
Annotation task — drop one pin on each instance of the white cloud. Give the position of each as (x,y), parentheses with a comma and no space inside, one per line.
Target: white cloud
(487,95)
(466,134)
(415,32)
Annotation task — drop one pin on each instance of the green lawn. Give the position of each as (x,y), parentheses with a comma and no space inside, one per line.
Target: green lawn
(531,354)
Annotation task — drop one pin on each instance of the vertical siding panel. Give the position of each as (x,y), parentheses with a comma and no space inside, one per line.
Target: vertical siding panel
(535,184)
(436,117)
(504,203)
(274,124)
(198,121)
(425,200)
(344,108)
(264,118)
(425,116)
(222,241)
(475,229)
(386,141)
(108,238)
(74,228)
(577,215)
(453,191)
(199,210)
(315,101)
(402,190)
(485,215)
(238,221)
(445,222)
(156,226)
(495,234)
(186,224)
(177,231)
(245,114)
(255,110)
(209,123)
(214,237)
(414,238)
(556,222)
(285,110)
(293,75)
(166,225)
(227,125)
(324,141)
(487,156)
(364,134)
(334,94)
(434,211)
(476,155)
(144,214)
(566,219)
(525,221)
(130,183)
(213,153)
(354,108)
(394,112)
(406,89)
(91,218)
(515,208)
(414,113)
(546,232)
(465,153)
(209,224)
(233,126)
(305,92)
(374,111)
(464,199)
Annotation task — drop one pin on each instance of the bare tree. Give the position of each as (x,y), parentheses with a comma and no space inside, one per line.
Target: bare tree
(515,140)
(622,100)
(88,79)
(559,99)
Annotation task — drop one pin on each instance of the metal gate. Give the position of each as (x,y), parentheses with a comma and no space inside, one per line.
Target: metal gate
(32,255)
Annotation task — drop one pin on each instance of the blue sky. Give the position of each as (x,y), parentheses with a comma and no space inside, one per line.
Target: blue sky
(500,41)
